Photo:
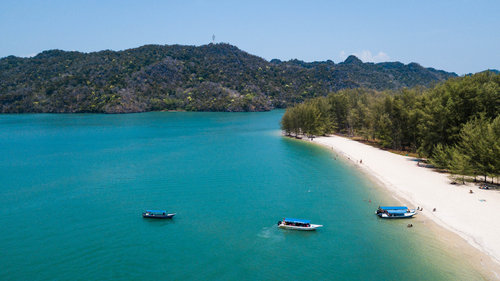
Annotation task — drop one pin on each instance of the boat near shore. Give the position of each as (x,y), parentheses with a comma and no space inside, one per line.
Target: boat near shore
(157,214)
(395,212)
(298,224)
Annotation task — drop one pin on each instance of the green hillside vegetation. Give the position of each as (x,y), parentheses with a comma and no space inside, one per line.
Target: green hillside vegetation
(214,77)
(456,123)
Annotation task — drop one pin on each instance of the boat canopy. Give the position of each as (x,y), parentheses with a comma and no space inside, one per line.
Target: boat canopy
(156,211)
(394,208)
(297,220)
(396,212)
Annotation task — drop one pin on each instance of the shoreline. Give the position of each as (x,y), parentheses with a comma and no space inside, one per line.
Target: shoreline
(468,222)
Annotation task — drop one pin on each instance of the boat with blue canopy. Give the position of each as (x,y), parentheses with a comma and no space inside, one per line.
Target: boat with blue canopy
(157,214)
(297,224)
(395,212)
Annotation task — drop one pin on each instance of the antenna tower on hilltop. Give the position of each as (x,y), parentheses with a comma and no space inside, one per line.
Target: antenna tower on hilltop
(213,39)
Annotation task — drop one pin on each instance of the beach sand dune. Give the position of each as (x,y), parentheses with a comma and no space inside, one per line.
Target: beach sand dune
(473,216)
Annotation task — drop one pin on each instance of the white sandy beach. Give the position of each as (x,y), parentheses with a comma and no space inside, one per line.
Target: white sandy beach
(474,217)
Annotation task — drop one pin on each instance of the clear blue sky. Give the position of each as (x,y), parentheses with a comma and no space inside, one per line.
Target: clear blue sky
(461,35)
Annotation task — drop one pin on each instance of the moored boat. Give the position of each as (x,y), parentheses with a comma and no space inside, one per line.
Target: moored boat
(395,212)
(298,224)
(157,214)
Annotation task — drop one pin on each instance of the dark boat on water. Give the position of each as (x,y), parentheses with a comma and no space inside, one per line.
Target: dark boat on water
(157,214)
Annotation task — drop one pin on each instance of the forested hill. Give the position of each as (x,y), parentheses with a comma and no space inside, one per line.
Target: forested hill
(214,77)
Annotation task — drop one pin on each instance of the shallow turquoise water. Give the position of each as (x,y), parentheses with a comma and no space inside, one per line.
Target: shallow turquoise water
(73,188)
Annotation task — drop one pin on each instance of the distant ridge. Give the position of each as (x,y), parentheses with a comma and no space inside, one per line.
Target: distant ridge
(213,77)
(494,71)
(352,59)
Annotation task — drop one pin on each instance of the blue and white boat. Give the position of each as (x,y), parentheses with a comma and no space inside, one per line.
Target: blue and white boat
(157,214)
(395,212)
(298,224)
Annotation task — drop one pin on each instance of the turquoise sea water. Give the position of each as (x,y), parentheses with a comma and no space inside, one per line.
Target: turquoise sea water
(73,188)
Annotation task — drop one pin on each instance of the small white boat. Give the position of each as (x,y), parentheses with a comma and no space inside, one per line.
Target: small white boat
(298,224)
(395,212)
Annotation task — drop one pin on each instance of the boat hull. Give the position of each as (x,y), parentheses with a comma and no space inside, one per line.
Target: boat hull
(302,228)
(404,216)
(152,216)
